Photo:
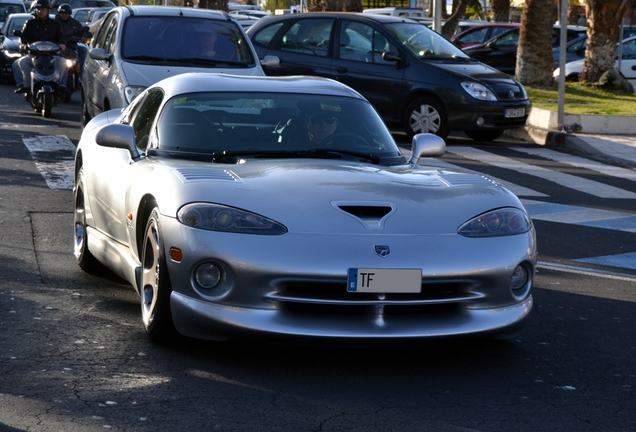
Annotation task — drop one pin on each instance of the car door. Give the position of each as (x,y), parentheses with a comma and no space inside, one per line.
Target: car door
(628,61)
(503,52)
(110,172)
(96,70)
(301,45)
(358,51)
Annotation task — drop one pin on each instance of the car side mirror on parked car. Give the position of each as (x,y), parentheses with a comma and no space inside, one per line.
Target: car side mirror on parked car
(270,61)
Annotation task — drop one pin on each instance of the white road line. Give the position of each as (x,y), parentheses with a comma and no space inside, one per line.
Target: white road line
(514,188)
(59,174)
(580,162)
(584,216)
(586,271)
(577,183)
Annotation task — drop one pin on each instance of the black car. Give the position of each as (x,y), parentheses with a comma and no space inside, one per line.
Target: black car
(415,78)
(500,52)
(10,44)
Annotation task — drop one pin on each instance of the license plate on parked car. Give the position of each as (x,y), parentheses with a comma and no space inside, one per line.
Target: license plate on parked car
(514,112)
(384,280)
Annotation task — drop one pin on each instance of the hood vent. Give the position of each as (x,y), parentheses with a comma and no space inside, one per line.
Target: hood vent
(371,215)
(466,180)
(198,174)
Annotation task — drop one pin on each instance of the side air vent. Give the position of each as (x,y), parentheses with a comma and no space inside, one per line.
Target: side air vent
(465,180)
(370,214)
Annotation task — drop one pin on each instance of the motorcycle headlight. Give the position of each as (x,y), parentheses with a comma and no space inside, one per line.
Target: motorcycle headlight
(495,223)
(216,217)
(478,91)
(70,63)
(131,92)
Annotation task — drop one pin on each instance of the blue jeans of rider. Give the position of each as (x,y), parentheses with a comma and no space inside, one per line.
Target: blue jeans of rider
(23,66)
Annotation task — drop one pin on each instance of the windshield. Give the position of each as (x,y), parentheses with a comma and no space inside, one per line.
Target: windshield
(424,42)
(14,24)
(273,125)
(185,39)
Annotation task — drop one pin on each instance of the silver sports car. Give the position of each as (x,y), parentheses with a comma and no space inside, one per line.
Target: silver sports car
(282,207)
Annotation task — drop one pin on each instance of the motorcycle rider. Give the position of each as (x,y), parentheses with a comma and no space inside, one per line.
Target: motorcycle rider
(37,29)
(73,31)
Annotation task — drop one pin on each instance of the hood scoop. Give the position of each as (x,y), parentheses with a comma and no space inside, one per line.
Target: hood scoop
(371,215)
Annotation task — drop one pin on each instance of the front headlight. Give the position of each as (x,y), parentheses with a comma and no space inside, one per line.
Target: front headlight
(216,217)
(495,223)
(131,92)
(478,91)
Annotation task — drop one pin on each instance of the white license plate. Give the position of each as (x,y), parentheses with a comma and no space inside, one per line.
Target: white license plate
(384,280)
(514,112)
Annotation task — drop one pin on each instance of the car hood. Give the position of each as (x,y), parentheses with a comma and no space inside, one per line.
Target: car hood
(323,196)
(10,44)
(502,84)
(146,75)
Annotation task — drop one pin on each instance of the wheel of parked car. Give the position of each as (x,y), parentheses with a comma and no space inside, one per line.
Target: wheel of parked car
(155,283)
(85,117)
(85,259)
(425,115)
(484,135)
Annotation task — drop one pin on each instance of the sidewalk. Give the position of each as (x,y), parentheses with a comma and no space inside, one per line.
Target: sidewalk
(607,138)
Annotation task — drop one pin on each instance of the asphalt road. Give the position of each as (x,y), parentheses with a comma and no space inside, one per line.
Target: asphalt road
(74,356)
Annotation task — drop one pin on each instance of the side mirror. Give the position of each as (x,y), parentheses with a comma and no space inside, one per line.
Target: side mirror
(118,136)
(391,56)
(17,33)
(99,54)
(426,145)
(270,61)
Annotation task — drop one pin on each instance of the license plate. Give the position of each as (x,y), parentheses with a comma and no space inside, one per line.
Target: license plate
(384,280)
(514,112)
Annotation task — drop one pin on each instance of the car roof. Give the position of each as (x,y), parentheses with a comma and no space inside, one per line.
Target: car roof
(195,82)
(152,10)
(359,15)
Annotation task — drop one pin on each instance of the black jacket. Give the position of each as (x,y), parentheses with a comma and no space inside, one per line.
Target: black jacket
(36,30)
(72,29)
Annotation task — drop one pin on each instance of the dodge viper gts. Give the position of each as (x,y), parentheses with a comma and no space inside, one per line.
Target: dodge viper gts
(232,214)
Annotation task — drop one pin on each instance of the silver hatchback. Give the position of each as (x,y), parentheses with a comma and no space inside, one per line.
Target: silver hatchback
(136,46)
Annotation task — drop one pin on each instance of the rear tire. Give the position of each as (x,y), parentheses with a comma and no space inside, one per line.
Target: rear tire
(155,284)
(425,115)
(484,135)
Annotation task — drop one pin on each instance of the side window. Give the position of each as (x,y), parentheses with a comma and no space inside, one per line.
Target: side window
(100,37)
(308,36)
(145,116)
(360,42)
(265,36)
(111,35)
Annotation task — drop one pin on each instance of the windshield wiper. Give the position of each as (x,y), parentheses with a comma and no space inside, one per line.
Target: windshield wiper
(317,153)
(208,62)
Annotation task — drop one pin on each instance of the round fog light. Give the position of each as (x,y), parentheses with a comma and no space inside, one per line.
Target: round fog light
(480,121)
(208,275)
(519,278)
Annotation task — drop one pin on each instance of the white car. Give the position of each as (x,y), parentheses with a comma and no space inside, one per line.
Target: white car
(137,46)
(627,65)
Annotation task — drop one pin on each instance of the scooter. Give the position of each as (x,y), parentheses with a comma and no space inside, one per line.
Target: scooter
(44,87)
(73,80)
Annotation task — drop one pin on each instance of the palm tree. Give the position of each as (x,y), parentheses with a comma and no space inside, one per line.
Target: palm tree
(501,10)
(213,4)
(334,5)
(534,54)
(604,18)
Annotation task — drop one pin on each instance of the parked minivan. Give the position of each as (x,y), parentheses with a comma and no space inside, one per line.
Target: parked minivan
(415,78)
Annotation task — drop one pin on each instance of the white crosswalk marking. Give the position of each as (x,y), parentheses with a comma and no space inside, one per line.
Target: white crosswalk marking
(58,174)
(578,183)
(580,162)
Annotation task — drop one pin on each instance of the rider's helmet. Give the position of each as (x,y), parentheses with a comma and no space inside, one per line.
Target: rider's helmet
(38,4)
(65,8)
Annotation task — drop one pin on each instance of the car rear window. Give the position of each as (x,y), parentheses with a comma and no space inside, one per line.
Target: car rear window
(197,40)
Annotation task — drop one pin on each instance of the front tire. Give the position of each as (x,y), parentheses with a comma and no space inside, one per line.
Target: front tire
(85,260)
(85,117)
(426,115)
(484,135)
(47,105)
(155,284)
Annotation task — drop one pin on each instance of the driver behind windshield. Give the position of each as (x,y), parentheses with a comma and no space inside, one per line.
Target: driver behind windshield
(316,122)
